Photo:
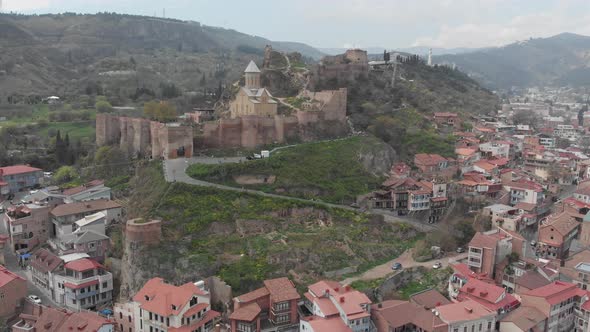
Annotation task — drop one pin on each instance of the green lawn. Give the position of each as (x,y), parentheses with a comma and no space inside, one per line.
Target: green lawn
(328,171)
(76,130)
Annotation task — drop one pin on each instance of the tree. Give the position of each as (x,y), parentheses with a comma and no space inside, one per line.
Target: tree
(159,111)
(65,174)
(109,161)
(102,105)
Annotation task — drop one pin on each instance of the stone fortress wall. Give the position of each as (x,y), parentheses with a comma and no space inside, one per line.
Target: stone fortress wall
(142,137)
(253,131)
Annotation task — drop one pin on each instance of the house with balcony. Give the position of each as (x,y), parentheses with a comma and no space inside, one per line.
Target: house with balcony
(559,301)
(576,269)
(504,216)
(524,319)
(447,118)
(330,306)
(435,166)
(272,307)
(395,315)
(568,132)
(87,236)
(14,179)
(27,225)
(44,264)
(556,234)
(488,249)
(164,307)
(63,217)
(468,315)
(83,284)
(525,191)
(495,149)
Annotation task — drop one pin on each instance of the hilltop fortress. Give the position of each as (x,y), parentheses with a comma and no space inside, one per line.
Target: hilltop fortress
(254,121)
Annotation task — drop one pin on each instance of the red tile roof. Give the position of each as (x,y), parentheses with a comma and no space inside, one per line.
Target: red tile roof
(429,299)
(486,166)
(84,207)
(45,261)
(83,264)
(463,311)
(161,296)
(334,324)
(18,169)
(82,285)
(84,321)
(525,318)
(428,159)
(481,240)
(281,289)
(253,295)
(194,310)
(401,313)
(556,292)
(475,288)
(246,313)
(7,276)
(445,115)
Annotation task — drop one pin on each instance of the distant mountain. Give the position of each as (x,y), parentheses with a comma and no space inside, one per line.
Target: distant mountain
(563,59)
(70,54)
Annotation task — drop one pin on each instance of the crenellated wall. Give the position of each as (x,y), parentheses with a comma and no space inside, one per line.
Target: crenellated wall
(139,231)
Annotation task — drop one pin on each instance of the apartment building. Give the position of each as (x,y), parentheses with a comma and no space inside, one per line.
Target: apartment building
(13,289)
(525,192)
(490,248)
(27,225)
(556,234)
(83,284)
(17,178)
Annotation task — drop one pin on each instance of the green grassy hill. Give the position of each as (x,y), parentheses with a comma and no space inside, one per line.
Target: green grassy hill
(330,171)
(246,238)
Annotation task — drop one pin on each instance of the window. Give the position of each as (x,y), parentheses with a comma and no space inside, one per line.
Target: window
(120,315)
(489,325)
(103,295)
(150,316)
(194,301)
(129,318)
(96,288)
(105,284)
(83,290)
(82,301)
(480,326)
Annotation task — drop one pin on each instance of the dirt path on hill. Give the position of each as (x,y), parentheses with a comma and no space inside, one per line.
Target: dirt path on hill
(407,261)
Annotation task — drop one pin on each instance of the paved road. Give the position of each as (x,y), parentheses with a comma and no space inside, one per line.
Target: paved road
(175,171)
(406,260)
(12,264)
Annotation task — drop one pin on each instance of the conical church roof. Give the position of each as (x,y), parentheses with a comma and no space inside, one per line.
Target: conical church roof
(252,68)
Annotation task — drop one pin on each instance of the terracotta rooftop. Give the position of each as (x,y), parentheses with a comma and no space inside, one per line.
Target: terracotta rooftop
(84,207)
(531,280)
(486,166)
(525,318)
(246,313)
(401,313)
(563,223)
(45,261)
(482,240)
(556,292)
(7,276)
(445,115)
(18,169)
(334,324)
(281,289)
(429,299)
(159,297)
(253,295)
(428,159)
(83,264)
(463,311)
(478,289)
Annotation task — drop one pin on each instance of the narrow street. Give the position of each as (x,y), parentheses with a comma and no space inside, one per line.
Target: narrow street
(11,261)
(407,261)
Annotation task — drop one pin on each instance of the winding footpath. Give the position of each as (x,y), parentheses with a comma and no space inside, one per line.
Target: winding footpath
(175,171)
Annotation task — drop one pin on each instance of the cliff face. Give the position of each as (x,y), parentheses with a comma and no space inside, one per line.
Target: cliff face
(377,158)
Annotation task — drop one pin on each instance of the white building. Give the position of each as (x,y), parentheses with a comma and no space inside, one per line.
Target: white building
(495,149)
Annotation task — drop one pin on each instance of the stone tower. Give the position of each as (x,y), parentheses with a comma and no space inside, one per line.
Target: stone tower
(430,57)
(252,76)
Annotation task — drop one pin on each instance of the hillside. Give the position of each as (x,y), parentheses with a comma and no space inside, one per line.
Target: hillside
(311,170)
(246,238)
(559,60)
(115,54)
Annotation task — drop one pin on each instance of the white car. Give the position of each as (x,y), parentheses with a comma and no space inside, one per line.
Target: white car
(437,265)
(35,299)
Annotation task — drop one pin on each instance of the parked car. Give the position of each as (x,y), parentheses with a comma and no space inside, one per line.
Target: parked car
(437,265)
(460,250)
(35,299)
(396,266)
(533,243)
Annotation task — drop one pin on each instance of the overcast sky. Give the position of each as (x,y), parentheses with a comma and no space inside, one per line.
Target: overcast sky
(360,23)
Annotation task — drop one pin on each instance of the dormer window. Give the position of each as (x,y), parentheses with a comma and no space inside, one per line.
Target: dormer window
(173,307)
(194,301)
(147,298)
